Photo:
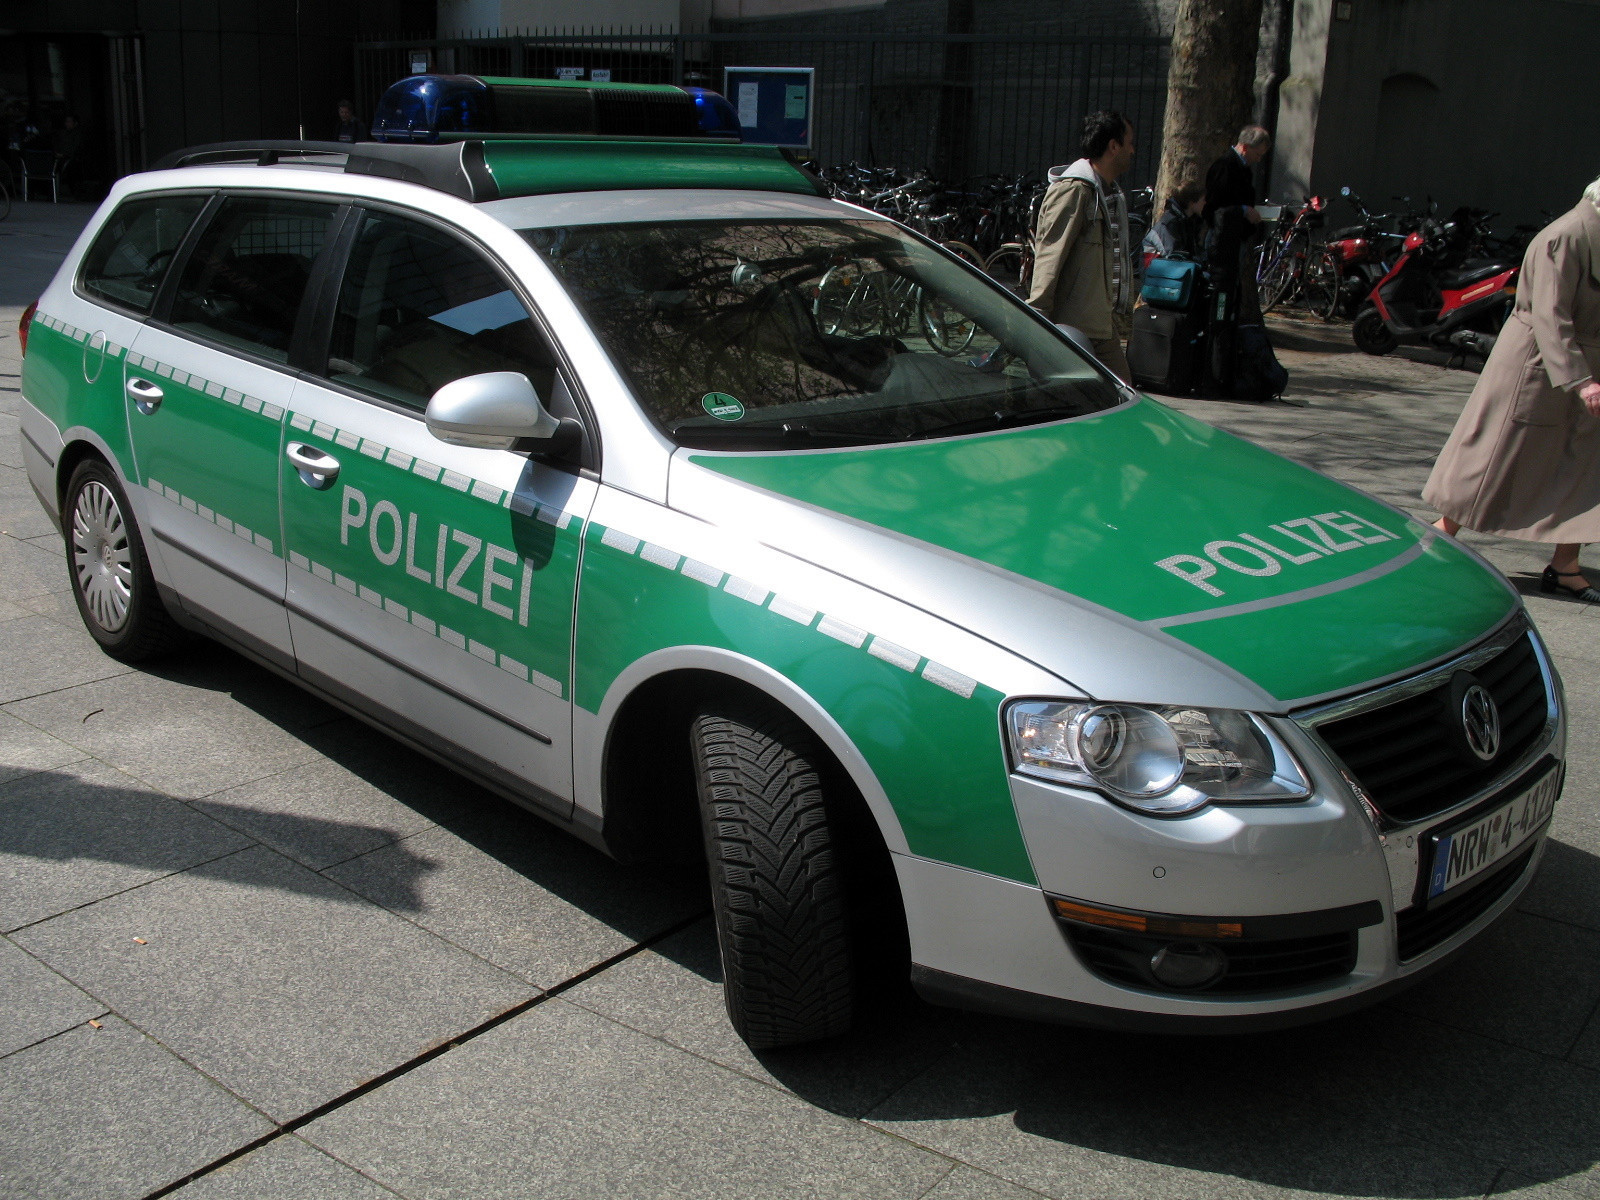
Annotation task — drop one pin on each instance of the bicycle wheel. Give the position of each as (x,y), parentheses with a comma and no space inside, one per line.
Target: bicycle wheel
(1011,266)
(1280,278)
(848,303)
(5,202)
(964,252)
(1322,284)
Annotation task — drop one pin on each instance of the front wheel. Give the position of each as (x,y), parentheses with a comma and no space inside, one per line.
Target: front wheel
(1322,285)
(1370,334)
(111,580)
(777,879)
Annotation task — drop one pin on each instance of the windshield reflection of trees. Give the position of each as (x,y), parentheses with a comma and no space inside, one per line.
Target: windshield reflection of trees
(696,307)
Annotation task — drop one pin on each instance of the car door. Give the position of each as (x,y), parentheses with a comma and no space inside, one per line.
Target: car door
(208,390)
(431,584)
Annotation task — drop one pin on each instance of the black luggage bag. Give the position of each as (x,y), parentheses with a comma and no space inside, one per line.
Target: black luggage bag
(1257,374)
(1165,350)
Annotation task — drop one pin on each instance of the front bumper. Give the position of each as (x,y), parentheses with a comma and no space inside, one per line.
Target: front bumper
(982,942)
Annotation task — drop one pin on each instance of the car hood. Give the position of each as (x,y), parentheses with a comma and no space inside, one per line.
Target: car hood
(1137,553)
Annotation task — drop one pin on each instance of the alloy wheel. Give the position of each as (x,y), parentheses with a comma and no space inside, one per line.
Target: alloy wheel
(102,561)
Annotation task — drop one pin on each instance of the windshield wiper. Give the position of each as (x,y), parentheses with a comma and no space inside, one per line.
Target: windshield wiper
(790,432)
(997,420)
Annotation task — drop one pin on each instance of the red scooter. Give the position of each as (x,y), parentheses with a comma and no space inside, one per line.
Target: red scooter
(1430,295)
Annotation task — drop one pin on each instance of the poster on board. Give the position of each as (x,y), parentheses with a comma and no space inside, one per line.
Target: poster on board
(776,105)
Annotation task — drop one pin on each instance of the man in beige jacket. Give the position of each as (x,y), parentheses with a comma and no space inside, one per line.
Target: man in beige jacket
(1083,264)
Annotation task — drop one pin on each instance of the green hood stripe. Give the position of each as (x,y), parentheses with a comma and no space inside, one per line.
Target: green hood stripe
(1322,589)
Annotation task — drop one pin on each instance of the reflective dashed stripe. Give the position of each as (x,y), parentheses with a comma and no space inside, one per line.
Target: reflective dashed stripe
(841,631)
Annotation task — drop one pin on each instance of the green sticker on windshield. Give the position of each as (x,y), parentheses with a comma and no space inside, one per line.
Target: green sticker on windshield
(722,406)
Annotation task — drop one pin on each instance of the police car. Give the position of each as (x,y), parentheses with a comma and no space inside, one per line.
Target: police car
(702,514)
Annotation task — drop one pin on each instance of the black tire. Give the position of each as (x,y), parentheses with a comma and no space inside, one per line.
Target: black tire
(1012,268)
(1281,278)
(777,879)
(1323,284)
(1370,334)
(110,573)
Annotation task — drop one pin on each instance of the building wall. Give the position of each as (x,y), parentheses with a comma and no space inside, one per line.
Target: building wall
(1477,102)
(221,70)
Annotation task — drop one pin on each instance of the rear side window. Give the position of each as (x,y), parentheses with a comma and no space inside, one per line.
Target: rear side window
(244,283)
(129,258)
(419,308)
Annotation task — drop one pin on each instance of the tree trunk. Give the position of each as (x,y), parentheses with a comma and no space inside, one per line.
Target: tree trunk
(1210,87)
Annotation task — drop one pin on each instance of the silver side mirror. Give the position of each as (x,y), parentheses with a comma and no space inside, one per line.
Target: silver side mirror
(492,411)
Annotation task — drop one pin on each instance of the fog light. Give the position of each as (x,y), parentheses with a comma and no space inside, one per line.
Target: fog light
(1187,964)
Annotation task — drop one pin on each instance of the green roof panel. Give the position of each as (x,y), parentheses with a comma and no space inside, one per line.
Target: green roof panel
(538,167)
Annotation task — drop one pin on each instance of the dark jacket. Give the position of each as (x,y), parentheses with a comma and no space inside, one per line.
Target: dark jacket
(1229,184)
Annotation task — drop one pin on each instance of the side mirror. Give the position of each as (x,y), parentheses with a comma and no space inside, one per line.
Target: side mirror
(498,410)
(1079,339)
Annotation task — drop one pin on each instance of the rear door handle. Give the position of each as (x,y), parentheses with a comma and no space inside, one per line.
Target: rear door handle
(146,395)
(317,470)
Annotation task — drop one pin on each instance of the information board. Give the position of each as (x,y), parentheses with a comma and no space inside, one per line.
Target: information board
(775,104)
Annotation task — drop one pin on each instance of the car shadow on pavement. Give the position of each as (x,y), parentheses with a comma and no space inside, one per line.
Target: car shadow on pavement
(1484,1066)
(630,899)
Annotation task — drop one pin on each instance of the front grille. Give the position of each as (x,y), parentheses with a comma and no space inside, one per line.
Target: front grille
(1404,757)
(1421,929)
(1265,965)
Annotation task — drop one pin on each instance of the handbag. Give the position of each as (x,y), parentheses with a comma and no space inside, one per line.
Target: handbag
(1170,283)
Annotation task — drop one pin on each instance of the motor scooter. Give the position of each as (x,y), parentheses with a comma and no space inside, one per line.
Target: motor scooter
(1430,297)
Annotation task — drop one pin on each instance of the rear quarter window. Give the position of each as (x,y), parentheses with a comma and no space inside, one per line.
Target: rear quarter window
(131,254)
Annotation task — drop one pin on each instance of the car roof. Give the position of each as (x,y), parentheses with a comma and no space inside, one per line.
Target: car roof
(485,169)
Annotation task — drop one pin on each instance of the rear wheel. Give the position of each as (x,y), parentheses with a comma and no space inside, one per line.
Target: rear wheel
(1322,285)
(1370,334)
(1011,267)
(1281,275)
(111,580)
(777,879)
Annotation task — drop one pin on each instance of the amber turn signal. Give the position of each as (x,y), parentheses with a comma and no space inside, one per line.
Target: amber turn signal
(1154,926)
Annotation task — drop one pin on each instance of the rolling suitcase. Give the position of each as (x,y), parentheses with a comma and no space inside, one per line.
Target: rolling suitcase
(1164,350)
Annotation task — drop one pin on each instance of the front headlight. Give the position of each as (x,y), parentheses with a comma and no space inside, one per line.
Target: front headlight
(1168,759)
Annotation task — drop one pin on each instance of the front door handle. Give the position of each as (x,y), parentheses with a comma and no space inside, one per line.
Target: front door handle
(317,470)
(146,395)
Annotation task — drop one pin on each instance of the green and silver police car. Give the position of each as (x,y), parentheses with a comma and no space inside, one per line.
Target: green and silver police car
(702,514)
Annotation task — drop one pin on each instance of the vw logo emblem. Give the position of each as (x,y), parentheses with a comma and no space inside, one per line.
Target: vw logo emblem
(1480,721)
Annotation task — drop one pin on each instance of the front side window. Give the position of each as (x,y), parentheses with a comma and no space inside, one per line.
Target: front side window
(130,256)
(418,309)
(766,335)
(247,277)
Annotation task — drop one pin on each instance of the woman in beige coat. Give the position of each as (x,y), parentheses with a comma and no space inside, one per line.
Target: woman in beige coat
(1524,458)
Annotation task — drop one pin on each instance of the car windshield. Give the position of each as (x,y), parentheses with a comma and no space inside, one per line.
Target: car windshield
(761,335)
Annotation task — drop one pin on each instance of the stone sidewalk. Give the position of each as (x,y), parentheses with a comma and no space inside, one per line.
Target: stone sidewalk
(253,949)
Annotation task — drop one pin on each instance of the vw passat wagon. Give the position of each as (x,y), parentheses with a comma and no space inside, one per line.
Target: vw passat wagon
(699,513)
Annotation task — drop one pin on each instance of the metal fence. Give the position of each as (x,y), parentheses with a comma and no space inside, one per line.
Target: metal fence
(956,105)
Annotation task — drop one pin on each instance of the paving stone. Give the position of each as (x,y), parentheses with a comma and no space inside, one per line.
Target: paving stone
(24,749)
(674,992)
(29,571)
(559,1102)
(35,1002)
(283,986)
(1528,981)
(1463,1095)
(1523,1188)
(286,1168)
(21,514)
(76,834)
(521,893)
(370,792)
(10,611)
(1567,886)
(1083,1114)
(208,720)
(103,1114)
(58,606)
(40,656)
(967,1183)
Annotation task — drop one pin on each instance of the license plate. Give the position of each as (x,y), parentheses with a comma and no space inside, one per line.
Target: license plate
(1460,855)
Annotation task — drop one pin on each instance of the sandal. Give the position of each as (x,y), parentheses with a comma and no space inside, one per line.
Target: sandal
(1550,581)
